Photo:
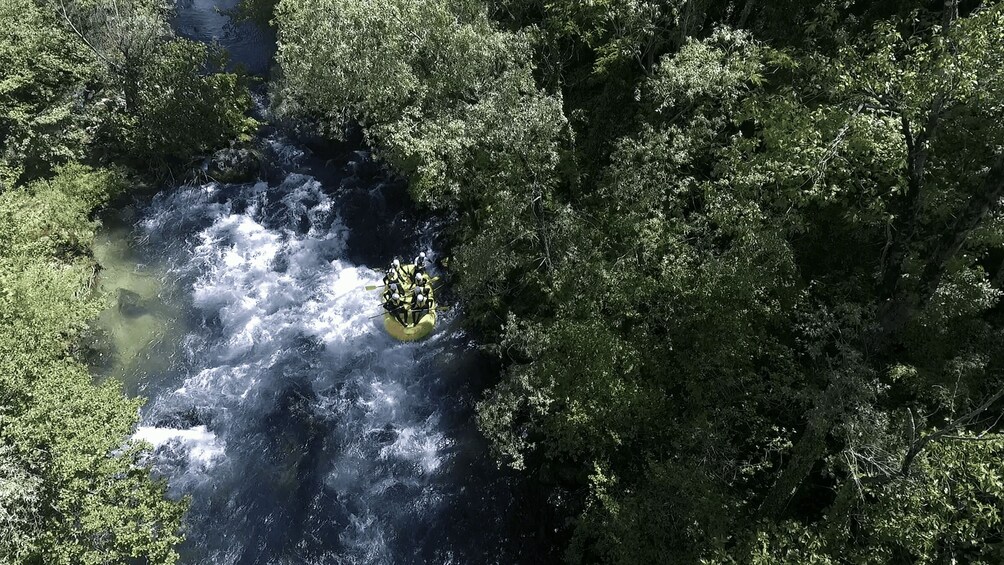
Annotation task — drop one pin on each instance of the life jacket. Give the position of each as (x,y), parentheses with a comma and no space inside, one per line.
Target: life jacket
(387,281)
(425,289)
(413,297)
(418,266)
(395,305)
(402,272)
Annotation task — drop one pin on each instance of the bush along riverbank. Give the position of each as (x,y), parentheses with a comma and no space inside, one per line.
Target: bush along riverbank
(742,262)
(98,98)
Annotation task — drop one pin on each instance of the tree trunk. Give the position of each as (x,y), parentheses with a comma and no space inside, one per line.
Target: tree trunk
(903,301)
(903,306)
(811,447)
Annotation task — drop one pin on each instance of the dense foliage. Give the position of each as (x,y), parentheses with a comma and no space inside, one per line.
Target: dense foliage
(103,83)
(70,491)
(742,260)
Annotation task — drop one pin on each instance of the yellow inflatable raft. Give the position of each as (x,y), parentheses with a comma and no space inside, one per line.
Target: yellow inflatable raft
(411,333)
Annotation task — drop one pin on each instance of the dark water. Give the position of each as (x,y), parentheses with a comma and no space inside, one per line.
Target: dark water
(248,45)
(300,430)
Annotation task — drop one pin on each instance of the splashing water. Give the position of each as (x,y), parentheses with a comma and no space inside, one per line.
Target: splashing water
(301,431)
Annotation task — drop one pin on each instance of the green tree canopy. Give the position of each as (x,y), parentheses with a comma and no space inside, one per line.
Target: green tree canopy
(741,261)
(72,490)
(101,81)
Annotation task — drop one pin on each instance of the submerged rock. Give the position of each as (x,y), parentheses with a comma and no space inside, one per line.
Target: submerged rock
(235,164)
(185,419)
(131,304)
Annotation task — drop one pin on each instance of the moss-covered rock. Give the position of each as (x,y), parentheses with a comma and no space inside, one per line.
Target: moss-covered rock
(235,164)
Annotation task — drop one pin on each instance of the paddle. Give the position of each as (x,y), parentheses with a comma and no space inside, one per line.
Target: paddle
(387,312)
(439,308)
(424,311)
(376,286)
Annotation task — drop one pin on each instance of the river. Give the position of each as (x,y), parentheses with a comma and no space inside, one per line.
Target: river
(299,430)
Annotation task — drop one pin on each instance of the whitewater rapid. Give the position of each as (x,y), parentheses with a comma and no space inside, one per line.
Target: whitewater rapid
(300,431)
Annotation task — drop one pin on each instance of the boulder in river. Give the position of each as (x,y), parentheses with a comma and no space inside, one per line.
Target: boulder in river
(235,165)
(131,304)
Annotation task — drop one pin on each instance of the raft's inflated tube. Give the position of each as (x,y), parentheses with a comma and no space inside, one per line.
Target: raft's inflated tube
(413,333)
(420,330)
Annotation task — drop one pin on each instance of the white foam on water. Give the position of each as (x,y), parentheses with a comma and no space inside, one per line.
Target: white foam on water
(264,285)
(209,385)
(344,310)
(420,446)
(287,153)
(203,448)
(365,541)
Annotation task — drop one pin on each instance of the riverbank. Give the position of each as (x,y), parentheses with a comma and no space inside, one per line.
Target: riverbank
(89,110)
(63,438)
